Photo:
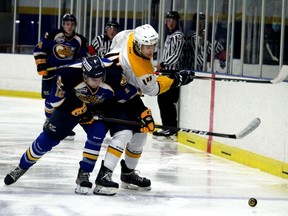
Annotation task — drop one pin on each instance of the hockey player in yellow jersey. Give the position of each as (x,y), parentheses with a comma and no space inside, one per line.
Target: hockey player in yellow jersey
(131,52)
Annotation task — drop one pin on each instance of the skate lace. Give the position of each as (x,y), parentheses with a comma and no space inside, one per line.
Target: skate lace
(17,173)
(107,176)
(84,176)
(135,176)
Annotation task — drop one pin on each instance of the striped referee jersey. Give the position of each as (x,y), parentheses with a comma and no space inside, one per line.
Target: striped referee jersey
(173,51)
(101,44)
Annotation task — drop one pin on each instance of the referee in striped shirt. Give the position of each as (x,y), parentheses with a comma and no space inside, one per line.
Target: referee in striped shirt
(101,43)
(171,61)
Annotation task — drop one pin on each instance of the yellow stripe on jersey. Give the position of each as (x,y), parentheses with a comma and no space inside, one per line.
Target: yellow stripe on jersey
(164,83)
(139,65)
(114,152)
(132,155)
(90,156)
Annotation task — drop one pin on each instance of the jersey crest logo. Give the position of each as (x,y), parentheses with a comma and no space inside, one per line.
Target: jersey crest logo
(86,65)
(63,52)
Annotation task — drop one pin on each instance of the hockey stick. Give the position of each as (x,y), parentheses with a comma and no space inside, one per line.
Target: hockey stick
(247,130)
(74,65)
(281,77)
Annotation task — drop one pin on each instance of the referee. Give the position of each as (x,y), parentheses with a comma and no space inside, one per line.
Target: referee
(171,61)
(101,43)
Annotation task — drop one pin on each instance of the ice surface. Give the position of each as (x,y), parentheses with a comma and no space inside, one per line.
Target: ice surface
(184,181)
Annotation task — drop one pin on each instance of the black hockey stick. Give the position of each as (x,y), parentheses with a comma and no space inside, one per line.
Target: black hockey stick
(74,65)
(281,77)
(247,130)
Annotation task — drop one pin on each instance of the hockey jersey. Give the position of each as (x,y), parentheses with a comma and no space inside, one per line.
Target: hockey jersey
(138,70)
(57,49)
(71,93)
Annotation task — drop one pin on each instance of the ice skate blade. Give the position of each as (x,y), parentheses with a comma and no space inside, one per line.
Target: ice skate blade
(81,190)
(69,138)
(125,185)
(106,191)
(165,139)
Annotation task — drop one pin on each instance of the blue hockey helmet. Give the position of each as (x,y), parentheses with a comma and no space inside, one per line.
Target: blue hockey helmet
(93,67)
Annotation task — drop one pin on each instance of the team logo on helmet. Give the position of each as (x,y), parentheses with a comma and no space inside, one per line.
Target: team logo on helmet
(86,65)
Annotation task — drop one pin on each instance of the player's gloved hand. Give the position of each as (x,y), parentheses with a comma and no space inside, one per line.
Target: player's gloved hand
(87,118)
(147,120)
(42,67)
(182,77)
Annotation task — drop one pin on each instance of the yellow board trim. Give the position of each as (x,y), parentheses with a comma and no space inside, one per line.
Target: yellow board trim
(238,155)
(21,94)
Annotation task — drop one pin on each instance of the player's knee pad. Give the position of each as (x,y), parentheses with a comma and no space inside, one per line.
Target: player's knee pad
(120,139)
(137,142)
(96,131)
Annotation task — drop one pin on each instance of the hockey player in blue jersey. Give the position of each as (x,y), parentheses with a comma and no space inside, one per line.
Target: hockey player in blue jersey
(76,97)
(59,47)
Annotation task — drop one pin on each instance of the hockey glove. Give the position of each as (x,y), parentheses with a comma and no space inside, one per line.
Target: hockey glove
(42,67)
(182,77)
(147,120)
(86,118)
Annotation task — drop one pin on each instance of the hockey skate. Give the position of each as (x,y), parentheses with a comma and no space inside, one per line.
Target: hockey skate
(14,175)
(131,180)
(71,136)
(83,183)
(104,183)
(165,135)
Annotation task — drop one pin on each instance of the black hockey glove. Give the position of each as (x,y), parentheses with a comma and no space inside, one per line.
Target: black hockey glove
(182,77)
(42,67)
(147,120)
(86,118)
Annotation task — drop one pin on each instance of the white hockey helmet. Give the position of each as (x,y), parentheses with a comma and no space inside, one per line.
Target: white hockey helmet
(145,35)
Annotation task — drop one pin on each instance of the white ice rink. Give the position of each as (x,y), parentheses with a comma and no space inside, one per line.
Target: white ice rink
(184,181)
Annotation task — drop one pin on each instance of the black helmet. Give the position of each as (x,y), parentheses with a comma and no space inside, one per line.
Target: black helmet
(93,67)
(112,23)
(201,16)
(173,15)
(68,17)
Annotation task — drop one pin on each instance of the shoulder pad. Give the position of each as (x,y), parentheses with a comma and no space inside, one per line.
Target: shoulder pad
(84,40)
(51,35)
